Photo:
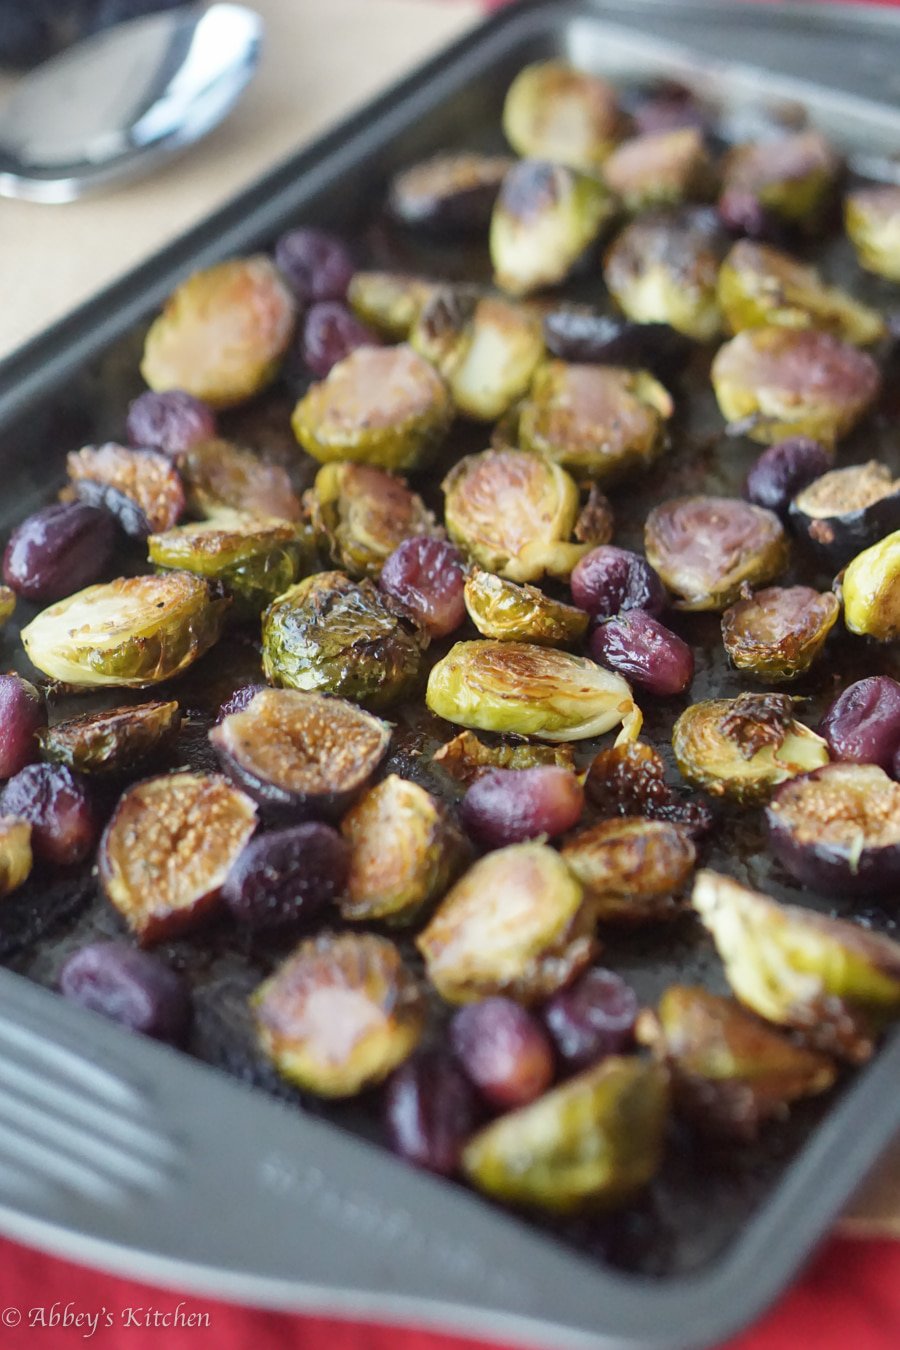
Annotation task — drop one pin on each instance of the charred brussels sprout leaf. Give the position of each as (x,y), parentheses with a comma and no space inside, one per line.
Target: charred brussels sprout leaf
(7,604)
(451,193)
(466,758)
(15,853)
(592,1143)
(531,691)
(555,112)
(254,559)
(632,869)
(661,168)
(793,178)
(503,610)
(706,549)
(222,334)
(114,741)
(745,746)
(381,405)
(834,981)
(514,923)
(220,476)
(663,267)
(846,510)
(359,515)
(870,587)
(338,636)
(339,1014)
(132,632)
(390,302)
(777,633)
(141,488)
(872,221)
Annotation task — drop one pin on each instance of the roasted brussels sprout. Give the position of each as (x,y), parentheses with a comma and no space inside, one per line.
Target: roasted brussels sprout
(389,302)
(585,337)
(662,168)
(759,285)
(360,515)
(599,422)
(254,559)
(777,633)
(466,758)
(168,848)
(706,549)
(730,1072)
(530,691)
(633,870)
(133,632)
(223,332)
(629,780)
(514,923)
(344,637)
(870,588)
(544,219)
(744,747)
(562,114)
(836,982)
(114,741)
(300,754)
(404,852)
(141,488)
(792,178)
(662,269)
(451,193)
(504,610)
(7,604)
(872,222)
(777,382)
(591,1143)
(220,476)
(15,853)
(381,405)
(339,1014)
(847,510)
(513,512)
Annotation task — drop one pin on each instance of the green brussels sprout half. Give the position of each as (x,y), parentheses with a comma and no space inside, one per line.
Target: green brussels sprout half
(632,869)
(730,1072)
(513,512)
(466,758)
(15,853)
(872,221)
(7,604)
(793,177)
(389,302)
(591,1144)
(707,549)
(114,741)
(515,923)
(223,332)
(555,112)
(381,405)
(759,286)
(835,981)
(744,747)
(343,637)
(511,613)
(599,422)
(220,476)
(662,168)
(545,217)
(870,589)
(360,514)
(528,690)
(132,632)
(663,268)
(254,559)
(777,633)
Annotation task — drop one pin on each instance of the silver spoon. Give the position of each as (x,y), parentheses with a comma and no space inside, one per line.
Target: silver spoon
(115,105)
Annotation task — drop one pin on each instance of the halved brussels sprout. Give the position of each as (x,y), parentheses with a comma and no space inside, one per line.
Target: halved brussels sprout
(390,302)
(630,780)
(590,1144)
(254,559)
(339,1014)
(359,515)
(344,637)
(486,348)
(836,982)
(793,177)
(466,758)
(300,754)
(530,691)
(556,112)
(759,285)
(632,869)
(599,422)
(846,510)
(870,589)
(730,1072)
(141,488)
(544,219)
(7,604)
(15,853)
(777,633)
(513,512)
(501,609)
(404,852)
(220,476)
(707,549)
(663,268)
(114,741)
(168,848)
(744,747)
(774,383)
(515,923)
(132,632)
(453,192)
(222,333)
(381,405)
(660,168)
(872,222)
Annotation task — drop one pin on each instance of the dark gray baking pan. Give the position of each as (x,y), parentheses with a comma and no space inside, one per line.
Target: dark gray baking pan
(118,1152)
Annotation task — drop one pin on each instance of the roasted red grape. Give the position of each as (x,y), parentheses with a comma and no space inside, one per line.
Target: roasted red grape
(610,579)
(593,1018)
(430,1111)
(783,469)
(504,1050)
(573,335)
(131,987)
(641,648)
(316,265)
(507,806)
(58,550)
(742,213)
(426,575)
(59,808)
(287,876)
(22,714)
(862,725)
(329,333)
(171,421)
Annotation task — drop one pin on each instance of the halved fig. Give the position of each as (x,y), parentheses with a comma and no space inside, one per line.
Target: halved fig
(141,488)
(511,613)
(114,741)
(706,549)
(777,633)
(218,474)
(168,848)
(629,780)
(846,510)
(453,192)
(466,758)
(632,869)
(15,853)
(360,515)
(390,302)
(339,1014)
(301,754)
(838,830)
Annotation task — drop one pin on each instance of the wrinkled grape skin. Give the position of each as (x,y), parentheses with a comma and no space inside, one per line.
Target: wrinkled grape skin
(426,575)
(59,550)
(287,876)
(315,264)
(783,470)
(862,726)
(171,421)
(508,806)
(430,1110)
(639,647)
(609,579)
(504,1050)
(22,714)
(134,988)
(329,333)
(239,701)
(59,808)
(593,1018)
